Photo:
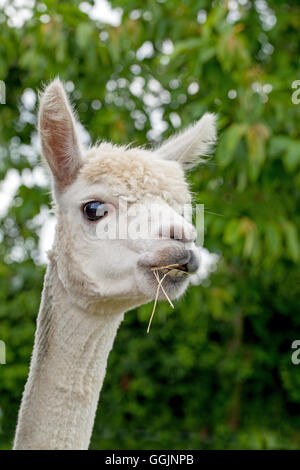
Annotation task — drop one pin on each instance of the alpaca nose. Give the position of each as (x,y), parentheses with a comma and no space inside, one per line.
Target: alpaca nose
(187,259)
(193,262)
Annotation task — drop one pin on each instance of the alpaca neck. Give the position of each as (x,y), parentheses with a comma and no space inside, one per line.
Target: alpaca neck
(67,371)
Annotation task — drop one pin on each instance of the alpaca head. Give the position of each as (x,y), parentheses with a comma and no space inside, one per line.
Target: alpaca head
(120,210)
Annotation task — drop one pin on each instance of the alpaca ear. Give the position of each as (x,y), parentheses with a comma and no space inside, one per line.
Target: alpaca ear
(60,145)
(189,145)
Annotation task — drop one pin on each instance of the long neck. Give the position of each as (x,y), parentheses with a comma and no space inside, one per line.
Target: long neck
(66,373)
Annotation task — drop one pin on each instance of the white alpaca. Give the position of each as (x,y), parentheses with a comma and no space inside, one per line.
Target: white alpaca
(92,280)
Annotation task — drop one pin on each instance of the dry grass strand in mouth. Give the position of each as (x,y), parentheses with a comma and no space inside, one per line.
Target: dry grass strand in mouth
(159,286)
(169,267)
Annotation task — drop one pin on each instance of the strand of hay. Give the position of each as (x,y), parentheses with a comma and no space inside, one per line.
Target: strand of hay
(159,286)
(169,267)
(159,283)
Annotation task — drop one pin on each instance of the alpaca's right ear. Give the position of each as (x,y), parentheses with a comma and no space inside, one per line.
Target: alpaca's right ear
(192,143)
(60,145)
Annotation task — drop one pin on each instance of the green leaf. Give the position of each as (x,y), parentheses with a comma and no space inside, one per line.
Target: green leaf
(292,240)
(292,157)
(84,35)
(232,232)
(273,239)
(257,135)
(229,142)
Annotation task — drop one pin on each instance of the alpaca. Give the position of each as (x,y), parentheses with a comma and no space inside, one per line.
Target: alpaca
(91,280)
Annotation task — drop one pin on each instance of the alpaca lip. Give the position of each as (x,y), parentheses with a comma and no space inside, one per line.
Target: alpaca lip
(174,270)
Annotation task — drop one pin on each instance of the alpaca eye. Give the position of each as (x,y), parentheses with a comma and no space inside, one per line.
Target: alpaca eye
(95,210)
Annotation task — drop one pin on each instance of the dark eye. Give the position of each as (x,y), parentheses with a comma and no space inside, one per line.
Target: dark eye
(95,210)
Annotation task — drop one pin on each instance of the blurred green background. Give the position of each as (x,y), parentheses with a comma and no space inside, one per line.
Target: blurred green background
(215,373)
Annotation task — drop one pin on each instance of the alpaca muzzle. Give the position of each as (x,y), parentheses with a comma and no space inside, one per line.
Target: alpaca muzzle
(181,268)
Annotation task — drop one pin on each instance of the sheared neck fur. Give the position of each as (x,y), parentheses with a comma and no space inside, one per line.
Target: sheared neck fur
(67,371)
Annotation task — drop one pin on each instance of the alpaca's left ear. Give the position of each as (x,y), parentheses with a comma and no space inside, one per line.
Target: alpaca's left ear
(57,129)
(192,143)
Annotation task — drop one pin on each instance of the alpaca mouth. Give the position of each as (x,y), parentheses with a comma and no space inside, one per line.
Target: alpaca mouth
(170,270)
(173,266)
(173,270)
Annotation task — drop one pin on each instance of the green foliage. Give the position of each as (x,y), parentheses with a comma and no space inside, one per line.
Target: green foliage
(217,371)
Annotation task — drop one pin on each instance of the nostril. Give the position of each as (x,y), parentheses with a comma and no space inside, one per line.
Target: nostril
(185,261)
(193,263)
